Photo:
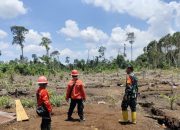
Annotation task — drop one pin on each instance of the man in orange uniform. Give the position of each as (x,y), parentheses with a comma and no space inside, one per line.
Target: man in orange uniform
(43,100)
(75,91)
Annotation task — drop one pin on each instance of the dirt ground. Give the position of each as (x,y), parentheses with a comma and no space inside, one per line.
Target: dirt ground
(99,116)
(102,108)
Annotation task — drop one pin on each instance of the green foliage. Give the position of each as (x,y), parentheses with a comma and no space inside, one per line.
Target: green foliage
(6,102)
(163,54)
(101,51)
(171,99)
(4,67)
(120,61)
(61,76)
(5,84)
(45,43)
(27,69)
(1,75)
(55,99)
(30,82)
(28,103)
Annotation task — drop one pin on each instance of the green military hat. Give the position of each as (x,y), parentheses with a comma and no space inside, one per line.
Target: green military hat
(131,67)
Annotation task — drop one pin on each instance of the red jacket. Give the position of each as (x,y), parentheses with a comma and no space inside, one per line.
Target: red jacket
(43,97)
(78,90)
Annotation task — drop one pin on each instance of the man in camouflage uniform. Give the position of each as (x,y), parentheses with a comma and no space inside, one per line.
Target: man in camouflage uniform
(130,96)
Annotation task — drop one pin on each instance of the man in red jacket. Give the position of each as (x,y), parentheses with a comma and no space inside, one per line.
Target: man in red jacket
(43,100)
(75,91)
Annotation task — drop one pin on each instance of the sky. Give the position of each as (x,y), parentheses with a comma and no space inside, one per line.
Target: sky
(76,26)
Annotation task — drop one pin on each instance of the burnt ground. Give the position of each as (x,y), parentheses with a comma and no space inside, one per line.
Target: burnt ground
(102,109)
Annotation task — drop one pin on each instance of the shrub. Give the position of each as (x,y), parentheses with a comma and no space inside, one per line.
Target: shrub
(5,85)
(28,103)
(61,76)
(1,75)
(172,99)
(56,100)
(6,102)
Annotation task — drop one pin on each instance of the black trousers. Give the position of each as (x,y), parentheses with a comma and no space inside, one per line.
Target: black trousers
(80,107)
(46,122)
(128,101)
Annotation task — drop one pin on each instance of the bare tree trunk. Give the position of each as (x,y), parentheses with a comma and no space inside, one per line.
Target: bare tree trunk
(47,52)
(22,55)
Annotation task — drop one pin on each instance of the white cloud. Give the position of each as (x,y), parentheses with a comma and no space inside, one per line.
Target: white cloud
(35,49)
(9,53)
(93,52)
(46,34)
(132,7)
(11,8)
(4,45)
(66,52)
(71,29)
(94,38)
(34,37)
(32,41)
(90,35)
(72,54)
(3,34)
(162,17)
(118,39)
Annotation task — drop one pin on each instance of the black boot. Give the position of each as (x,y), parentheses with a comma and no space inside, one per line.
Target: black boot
(69,118)
(49,126)
(82,119)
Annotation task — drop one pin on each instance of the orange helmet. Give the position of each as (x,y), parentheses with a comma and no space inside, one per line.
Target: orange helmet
(42,80)
(74,73)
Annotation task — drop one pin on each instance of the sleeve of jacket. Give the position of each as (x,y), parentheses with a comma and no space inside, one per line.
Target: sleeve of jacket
(68,91)
(83,91)
(45,99)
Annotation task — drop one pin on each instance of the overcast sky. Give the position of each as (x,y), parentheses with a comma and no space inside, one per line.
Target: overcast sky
(74,26)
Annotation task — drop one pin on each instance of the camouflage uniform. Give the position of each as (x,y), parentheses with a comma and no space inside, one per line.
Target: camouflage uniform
(130,96)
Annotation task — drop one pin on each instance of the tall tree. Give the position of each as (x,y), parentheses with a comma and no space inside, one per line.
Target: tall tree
(131,38)
(120,61)
(55,53)
(167,45)
(35,58)
(101,51)
(67,60)
(19,33)
(176,41)
(152,53)
(45,43)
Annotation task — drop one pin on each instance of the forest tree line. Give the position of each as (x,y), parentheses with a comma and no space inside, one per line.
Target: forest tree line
(162,54)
